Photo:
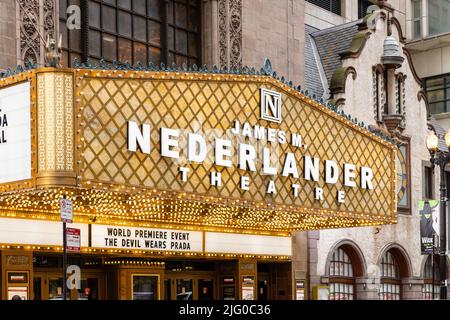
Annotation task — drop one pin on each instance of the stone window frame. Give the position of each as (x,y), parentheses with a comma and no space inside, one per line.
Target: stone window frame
(428,279)
(426,165)
(356,259)
(400,96)
(407,209)
(379,92)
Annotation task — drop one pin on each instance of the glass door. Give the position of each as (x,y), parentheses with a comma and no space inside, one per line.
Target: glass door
(205,289)
(184,289)
(145,287)
(55,289)
(49,286)
(263,290)
(37,288)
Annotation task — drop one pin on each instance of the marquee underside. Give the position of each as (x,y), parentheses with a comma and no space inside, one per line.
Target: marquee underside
(164,208)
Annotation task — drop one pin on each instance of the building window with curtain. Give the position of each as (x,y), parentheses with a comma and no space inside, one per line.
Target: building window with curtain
(341,278)
(390,278)
(427,182)
(438,93)
(333,6)
(134,31)
(416,19)
(428,280)
(363,5)
(438,17)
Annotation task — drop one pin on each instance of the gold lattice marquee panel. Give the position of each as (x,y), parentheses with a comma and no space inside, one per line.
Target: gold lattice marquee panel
(81,147)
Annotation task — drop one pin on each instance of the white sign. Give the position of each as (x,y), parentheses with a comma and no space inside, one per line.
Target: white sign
(270,105)
(73,240)
(216,242)
(15,133)
(37,232)
(14,292)
(66,211)
(146,239)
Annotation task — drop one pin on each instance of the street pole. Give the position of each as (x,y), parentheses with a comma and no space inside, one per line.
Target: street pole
(440,158)
(433,269)
(64,262)
(442,228)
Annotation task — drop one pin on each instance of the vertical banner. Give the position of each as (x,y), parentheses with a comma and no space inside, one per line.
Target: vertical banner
(429,224)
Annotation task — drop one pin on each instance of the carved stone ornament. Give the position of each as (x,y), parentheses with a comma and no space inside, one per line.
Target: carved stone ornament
(230,33)
(37,22)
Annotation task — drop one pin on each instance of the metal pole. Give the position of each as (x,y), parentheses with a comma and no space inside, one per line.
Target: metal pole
(64,262)
(433,270)
(442,230)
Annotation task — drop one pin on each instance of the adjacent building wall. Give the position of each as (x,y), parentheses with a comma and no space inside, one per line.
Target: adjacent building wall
(8,53)
(374,241)
(274,29)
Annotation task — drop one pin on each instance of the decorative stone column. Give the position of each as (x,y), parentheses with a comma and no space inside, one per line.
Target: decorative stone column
(222,33)
(300,261)
(36,20)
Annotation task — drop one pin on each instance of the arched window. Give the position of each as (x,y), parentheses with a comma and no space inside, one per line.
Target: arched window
(428,280)
(341,277)
(390,277)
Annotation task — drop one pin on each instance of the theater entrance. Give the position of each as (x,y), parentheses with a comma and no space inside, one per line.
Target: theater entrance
(188,286)
(49,286)
(48,283)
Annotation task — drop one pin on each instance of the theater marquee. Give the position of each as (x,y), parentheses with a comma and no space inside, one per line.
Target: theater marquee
(219,152)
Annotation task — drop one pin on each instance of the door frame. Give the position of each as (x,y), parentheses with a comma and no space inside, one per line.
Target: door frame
(264,276)
(46,274)
(195,276)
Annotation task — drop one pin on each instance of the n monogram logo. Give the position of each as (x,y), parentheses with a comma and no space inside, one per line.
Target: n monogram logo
(270,105)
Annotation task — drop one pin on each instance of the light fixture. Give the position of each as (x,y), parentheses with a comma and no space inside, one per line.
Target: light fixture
(433,141)
(447,138)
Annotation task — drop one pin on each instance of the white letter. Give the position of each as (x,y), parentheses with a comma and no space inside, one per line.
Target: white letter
(271,133)
(267,169)
(136,137)
(260,132)
(349,173)
(341,196)
(331,172)
(74,279)
(290,166)
(296,140)
(281,137)
(246,130)
(318,194)
(196,146)
(74,20)
(247,156)
(184,171)
(311,168)
(295,188)
(216,179)
(271,188)
(235,129)
(366,178)
(245,183)
(223,149)
(169,138)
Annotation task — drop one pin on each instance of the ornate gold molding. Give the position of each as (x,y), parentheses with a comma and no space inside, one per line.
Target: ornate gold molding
(55,125)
